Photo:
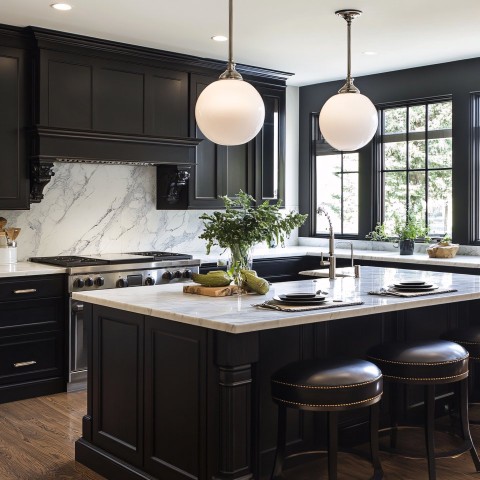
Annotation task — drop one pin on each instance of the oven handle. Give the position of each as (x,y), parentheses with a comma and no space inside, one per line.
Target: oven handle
(77,307)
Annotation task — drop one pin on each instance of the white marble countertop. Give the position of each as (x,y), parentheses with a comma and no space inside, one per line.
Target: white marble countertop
(465,261)
(24,269)
(238,315)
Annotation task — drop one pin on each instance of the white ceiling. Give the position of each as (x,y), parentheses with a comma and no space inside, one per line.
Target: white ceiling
(304,37)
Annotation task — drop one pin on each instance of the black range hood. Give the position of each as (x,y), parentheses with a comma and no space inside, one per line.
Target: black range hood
(79,146)
(65,145)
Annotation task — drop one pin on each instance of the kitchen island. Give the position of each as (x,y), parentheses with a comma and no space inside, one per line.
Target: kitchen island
(178,384)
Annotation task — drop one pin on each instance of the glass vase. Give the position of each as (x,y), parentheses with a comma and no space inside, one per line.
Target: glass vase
(240,259)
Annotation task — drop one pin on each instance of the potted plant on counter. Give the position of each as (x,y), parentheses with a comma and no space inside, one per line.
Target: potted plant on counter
(242,225)
(444,248)
(408,231)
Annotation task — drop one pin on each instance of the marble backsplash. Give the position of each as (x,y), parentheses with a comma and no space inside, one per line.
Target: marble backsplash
(91,209)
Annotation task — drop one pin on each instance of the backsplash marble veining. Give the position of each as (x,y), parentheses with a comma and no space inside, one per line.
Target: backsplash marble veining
(89,209)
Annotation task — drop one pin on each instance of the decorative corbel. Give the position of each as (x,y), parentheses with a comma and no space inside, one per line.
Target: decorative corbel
(40,174)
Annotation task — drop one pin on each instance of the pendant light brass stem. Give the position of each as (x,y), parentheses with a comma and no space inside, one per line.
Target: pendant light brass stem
(230,73)
(348,16)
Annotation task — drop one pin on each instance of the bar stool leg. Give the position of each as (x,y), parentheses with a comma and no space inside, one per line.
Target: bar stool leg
(463,399)
(374,448)
(281,441)
(429,429)
(394,390)
(332,445)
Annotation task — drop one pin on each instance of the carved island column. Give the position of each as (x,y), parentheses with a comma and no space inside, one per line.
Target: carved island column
(235,356)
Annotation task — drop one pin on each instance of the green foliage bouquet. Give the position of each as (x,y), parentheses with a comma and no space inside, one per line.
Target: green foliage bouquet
(242,225)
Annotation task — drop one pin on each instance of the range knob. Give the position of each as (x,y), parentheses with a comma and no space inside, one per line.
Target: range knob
(122,283)
(99,281)
(149,281)
(167,275)
(187,274)
(89,282)
(177,274)
(79,283)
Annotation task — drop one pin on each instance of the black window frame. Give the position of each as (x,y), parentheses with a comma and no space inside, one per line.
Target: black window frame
(475,166)
(379,153)
(319,147)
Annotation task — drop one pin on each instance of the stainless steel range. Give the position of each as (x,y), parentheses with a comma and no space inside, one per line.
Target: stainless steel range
(99,272)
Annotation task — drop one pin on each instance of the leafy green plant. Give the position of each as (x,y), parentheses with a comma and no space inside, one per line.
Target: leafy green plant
(242,224)
(410,229)
(445,240)
(378,234)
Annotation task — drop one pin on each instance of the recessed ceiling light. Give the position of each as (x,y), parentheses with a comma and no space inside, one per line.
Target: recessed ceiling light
(219,38)
(369,53)
(61,6)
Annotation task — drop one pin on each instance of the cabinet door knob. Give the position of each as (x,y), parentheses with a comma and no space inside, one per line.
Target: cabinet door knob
(24,364)
(26,290)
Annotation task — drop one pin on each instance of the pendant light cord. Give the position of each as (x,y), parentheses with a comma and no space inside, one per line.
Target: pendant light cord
(348,16)
(230,73)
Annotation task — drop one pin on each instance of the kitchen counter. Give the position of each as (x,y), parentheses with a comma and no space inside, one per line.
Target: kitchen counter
(460,261)
(25,269)
(191,374)
(238,315)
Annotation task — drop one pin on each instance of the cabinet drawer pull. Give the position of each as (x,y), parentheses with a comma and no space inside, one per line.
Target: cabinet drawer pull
(27,290)
(24,364)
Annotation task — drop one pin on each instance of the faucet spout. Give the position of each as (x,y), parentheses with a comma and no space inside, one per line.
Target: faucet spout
(331,243)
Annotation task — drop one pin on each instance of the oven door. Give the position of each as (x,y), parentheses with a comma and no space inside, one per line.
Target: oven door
(78,347)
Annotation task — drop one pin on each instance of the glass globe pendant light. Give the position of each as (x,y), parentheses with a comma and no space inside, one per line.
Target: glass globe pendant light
(230,111)
(348,120)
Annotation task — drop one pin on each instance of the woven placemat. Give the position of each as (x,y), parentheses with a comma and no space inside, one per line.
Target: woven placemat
(274,305)
(389,291)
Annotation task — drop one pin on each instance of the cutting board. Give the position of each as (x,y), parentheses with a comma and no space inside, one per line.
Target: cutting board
(211,291)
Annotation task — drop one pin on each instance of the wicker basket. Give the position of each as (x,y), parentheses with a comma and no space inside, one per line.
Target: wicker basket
(443,251)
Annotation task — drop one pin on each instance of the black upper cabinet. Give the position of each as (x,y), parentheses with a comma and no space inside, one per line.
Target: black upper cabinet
(89,93)
(219,170)
(270,148)
(14,101)
(256,167)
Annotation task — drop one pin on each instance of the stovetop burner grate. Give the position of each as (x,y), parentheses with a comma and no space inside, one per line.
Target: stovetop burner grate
(70,261)
(164,255)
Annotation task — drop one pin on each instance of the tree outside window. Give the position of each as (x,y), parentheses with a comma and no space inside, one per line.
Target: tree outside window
(416,164)
(337,190)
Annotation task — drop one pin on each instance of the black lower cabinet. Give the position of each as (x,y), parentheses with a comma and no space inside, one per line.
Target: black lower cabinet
(276,269)
(32,336)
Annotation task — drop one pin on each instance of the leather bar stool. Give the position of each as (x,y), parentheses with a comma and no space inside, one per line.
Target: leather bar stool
(328,386)
(429,363)
(469,339)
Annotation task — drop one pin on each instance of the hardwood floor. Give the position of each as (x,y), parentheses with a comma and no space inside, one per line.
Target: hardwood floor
(37,438)
(37,443)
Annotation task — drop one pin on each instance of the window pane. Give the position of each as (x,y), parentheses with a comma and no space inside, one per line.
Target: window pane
(417,118)
(439,115)
(350,203)
(440,202)
(416,194)
(329,191)
(416,153)
(440,153)
(395,193)
(395,120)
(350,162)
(395,155)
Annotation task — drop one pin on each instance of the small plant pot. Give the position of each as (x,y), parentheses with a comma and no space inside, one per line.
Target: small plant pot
(406,247)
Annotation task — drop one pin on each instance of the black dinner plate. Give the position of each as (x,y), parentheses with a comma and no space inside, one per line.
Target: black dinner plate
(416,289)
(306,302)
(412,283)
(295,296)
(401,286)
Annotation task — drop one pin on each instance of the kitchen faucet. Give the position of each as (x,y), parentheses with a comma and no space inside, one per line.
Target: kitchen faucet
(331,245)
(351,250)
